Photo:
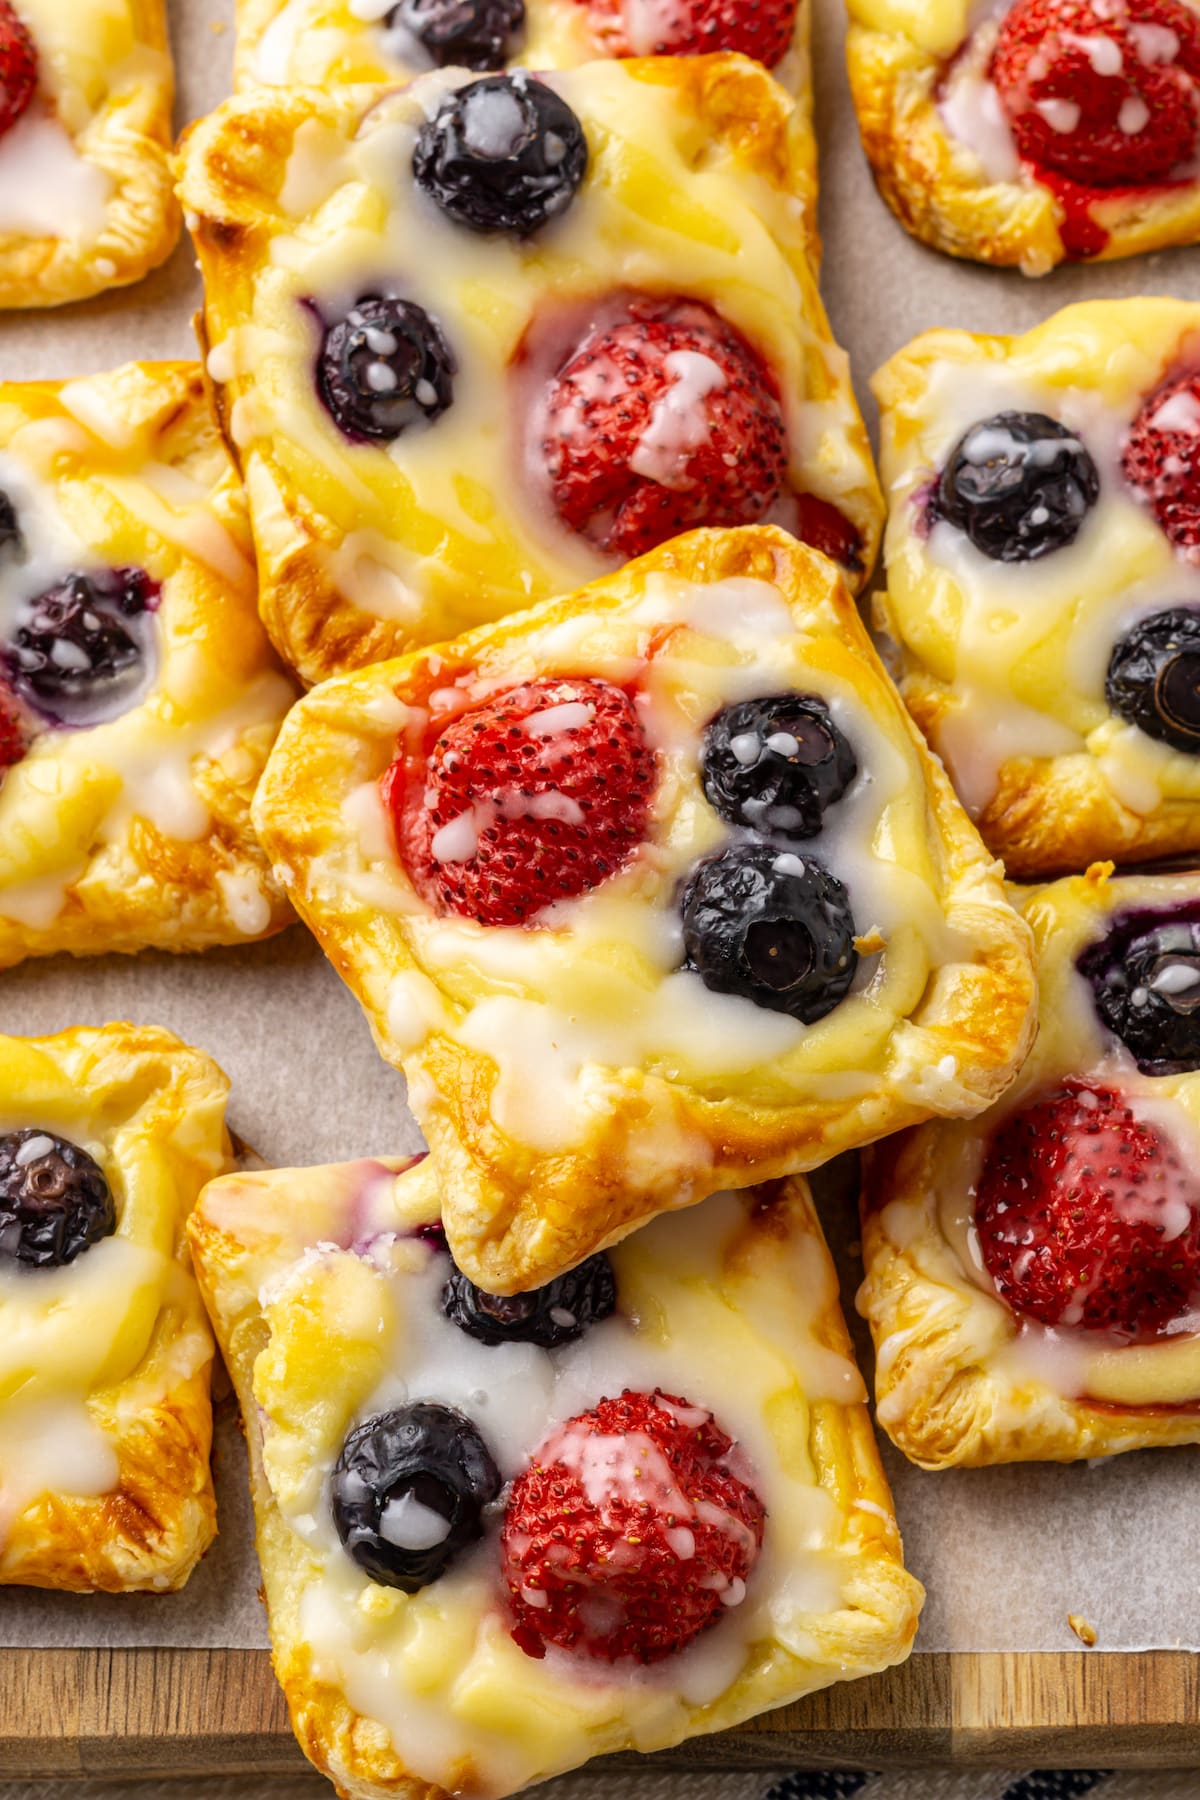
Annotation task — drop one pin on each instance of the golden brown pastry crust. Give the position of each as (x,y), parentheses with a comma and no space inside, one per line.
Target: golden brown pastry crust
(100,449)
(938,188)
(152,1110)
(517,1215)
(247,1229)
(119,117)
(948,1392)
(313,498)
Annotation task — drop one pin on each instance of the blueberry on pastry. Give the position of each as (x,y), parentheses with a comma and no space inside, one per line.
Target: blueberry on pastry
(463,34)
(86,93)
(693,1525)
(1037,132)
(558,1313)
(106,1138)
(1033,1277)
(138,694)
(464,365)
(1065,704)
(632,931)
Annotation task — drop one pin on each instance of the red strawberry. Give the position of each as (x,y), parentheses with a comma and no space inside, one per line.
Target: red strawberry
(819,523)
(535,795)
(628,1534)
(1162,460)
(758,28)
(664,422)
(18,67)
(1087,1216)
(12,735)
(1102,91)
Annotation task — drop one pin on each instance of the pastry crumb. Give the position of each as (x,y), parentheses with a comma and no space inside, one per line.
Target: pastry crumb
(871,942)
(1083,1631)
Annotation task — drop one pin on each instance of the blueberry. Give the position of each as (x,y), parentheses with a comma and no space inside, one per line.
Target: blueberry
(54,1199)
(12,541)
(1154,678)
(471,34)
(549,1316)
(503,154)
(1145,979)
(384,367)
(1020,485)
(771,927)
(77,640)
(776,765)
(408,1494)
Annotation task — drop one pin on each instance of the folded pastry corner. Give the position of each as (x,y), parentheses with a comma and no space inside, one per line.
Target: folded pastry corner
(651,891)
(689,1399)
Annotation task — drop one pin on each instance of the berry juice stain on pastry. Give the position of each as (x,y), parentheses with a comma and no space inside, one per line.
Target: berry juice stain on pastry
(18,67)
(1088,1215)
(758,28)
(55,1201)
(628,1534)
(1145,980)
(536,795)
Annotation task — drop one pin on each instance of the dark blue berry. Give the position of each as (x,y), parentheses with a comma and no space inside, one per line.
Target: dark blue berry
(1154,678)
(549,1316)
(776,765)
(1145,979)
(505,154)
(772,927)
(82,643)
(409,1491)
(54,1199)
(384,367)
(1020,485)
(470,34)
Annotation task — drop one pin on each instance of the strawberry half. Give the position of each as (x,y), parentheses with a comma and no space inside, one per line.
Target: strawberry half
(1087,1216)
(628,1534)
(535,795)
(1101,91)
(663,422)
(18,67)
(12,734)
(758,28)
(1161,460)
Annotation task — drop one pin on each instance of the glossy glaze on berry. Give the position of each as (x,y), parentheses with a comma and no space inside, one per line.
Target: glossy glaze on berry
(383,368)
(772,927)
(54,1200)
(505,154)
(408,1493)
(464,34)
(549,1316)
(776,765)
(81,647)
(1154,678)
(1020,485)
(1145,979)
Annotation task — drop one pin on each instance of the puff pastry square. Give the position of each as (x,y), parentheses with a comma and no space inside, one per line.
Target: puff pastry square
(945,158)
(1007,667)
(734,1309)
(105,1359)
(86,200)
(315,43)
(572,1078)
(302,204)
(125,808)
(962,1377)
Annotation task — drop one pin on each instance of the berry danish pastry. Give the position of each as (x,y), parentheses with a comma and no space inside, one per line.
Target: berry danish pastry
(478,341)
(689,1404)
(86,91)
(1043,576)
(1033,1278)
(138,694)
(652,890)
(1032,132)
(317,43)
(106,1138)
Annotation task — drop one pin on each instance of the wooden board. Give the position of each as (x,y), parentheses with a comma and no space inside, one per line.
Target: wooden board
(189,1712)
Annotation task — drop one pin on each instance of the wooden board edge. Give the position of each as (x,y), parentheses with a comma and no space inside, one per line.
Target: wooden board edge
(208,1712)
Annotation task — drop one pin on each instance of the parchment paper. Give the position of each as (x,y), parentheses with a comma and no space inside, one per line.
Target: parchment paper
(1005,1553)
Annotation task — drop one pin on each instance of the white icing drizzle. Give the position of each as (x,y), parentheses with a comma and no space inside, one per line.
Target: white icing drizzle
(47,189)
